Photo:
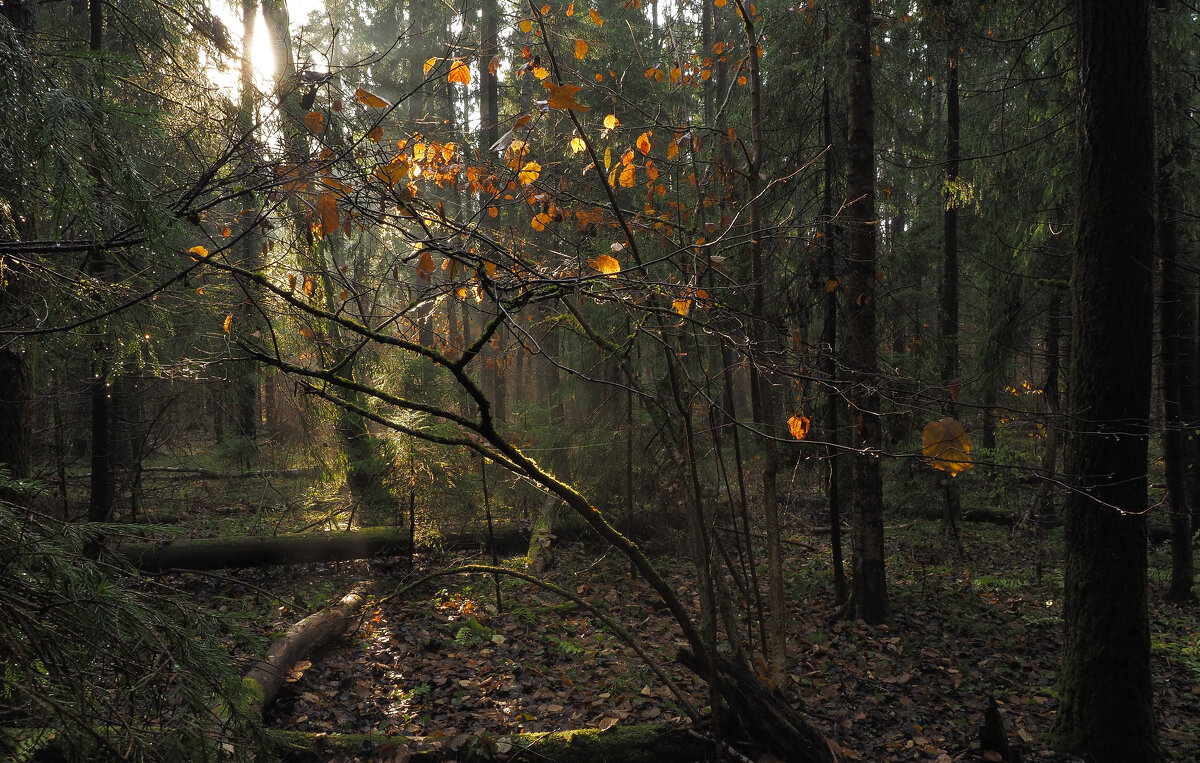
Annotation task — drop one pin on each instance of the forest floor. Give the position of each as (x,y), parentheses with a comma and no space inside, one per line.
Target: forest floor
(441,660)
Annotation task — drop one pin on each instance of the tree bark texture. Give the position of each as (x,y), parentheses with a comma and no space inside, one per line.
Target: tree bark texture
(267,551)
(270,673)
(1106,712)
(869,584)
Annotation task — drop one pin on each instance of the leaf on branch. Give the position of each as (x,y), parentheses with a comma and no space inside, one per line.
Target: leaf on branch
(595,17)
(799,425)
(529,173)
(563,96)
(228,323)
(540,221)
(526,26)
(581,49)
(681,305)
(315,122)
(198,253)
(309,285)
(459,73)
(643,142)
(327,211)
(369,99)
(577,145)
(375,135)
(429,64)
(425,266)
(947,446)
(606,264)
(611,122)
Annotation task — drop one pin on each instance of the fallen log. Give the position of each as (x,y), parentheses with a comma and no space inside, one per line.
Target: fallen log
(266,678)
(629,744)
(273,550)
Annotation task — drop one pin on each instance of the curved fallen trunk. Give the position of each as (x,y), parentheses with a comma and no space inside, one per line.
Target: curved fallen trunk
(268,675)
(272,550)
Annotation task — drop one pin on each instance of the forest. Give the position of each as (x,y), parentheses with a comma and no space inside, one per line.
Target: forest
(599,380)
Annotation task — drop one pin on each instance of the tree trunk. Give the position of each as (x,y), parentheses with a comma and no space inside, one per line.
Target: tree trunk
(869,592)
(1173,346)
(948,287)
(1106,712)
(269,674)
(268,551)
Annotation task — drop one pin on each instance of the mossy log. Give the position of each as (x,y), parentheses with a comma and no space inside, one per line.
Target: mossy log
(273,550)
(619,744)
(267,677)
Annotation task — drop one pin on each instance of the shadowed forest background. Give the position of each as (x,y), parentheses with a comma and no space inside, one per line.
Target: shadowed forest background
(614,380)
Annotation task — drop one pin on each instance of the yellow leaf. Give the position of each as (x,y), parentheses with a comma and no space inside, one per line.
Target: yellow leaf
(947,446)
(526,26)
(394,171)
(610,122)
(581,49)
(369,99)
(529,173)
(595,17)
(459,73)
(429,64)
(228,323)
(541,72)
(425,266)
(799,425)
(681,305)
(606,264)
(627,177)
(577,145)
(607,158)
(198,252)
(672,149)
(643,142)
(315,122)
(563,96)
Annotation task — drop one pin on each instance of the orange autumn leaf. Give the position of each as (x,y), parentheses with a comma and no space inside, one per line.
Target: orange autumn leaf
(526,26)
(529,173)
(540,221)
(307,333)
(605,264)
(327,211)
(429,64)
(581,49)
(315,122)
(643,142)
(595,17)
(627,178)
(947,446)
(228,323)
(375,135)
(369,99)
(460,73)
(681,305)
(309,285)
(425,266)
(563,96)
(799,425)
(570,10)
(198,252)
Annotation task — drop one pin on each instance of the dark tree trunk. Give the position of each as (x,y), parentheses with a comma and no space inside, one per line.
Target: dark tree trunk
(1173,345)
(16,414)
(948,287)
(829,331)
(869,593)
(1106,711)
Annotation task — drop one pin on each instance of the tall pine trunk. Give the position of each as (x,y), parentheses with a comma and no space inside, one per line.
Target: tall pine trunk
(1106,711)
(869,586)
